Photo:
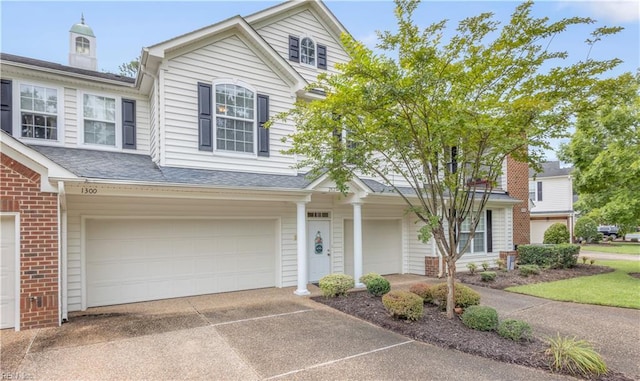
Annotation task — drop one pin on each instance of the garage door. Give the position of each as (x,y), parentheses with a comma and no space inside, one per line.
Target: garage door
(7,272)
(381,246)
(538,227)
(137,259)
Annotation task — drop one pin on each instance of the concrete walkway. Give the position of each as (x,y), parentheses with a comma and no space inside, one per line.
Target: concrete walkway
(609,256)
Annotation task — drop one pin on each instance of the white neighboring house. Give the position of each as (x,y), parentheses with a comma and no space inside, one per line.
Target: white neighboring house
(551,197)
(121,190)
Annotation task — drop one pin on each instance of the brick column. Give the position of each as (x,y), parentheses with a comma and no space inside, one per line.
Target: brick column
(518,188)
(20,192)
(431,267)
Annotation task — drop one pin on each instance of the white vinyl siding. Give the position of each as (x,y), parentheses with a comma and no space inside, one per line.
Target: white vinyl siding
(154,137)
(217,62)
(557,195)
(71,116)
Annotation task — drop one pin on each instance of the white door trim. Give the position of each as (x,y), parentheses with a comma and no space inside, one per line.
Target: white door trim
(330,221)
(16,222)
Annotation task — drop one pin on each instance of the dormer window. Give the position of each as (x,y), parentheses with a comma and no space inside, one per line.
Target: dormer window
(308,52)
(82,45)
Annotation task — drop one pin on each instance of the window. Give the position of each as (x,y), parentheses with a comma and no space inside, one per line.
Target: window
(308,52)
(39,112)
(235,118)
(477,241)
(82,45)
(99,114)
(535,190)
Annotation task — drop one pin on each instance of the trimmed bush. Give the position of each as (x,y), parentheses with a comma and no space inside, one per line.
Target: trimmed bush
(485,265)
(488,276)
(472,268)
(526,270)
(378,286)
(482,318)
(575,356)
(463,296)
(515,330)
(556,234)
(336,285)
(549,256)
(423,290)
(586,229)
(367,277)
(403,305)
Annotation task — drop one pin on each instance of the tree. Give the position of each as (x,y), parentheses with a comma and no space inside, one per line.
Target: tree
(443,115)
(586,229)
(605,152)
(130,69)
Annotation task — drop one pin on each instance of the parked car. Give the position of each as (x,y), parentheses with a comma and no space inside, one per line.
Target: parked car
(608,230)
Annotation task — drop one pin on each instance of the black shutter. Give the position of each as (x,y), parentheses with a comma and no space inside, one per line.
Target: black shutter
(322,57)
(128,124)
(489,232)
(454,159)
(294,49)
(205,117)
(539,191)
(263,133)
(5,106)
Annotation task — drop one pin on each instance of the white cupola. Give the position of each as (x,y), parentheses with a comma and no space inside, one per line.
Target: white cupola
(82,46)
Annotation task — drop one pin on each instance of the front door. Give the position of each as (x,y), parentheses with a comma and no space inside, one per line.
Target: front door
(319,248)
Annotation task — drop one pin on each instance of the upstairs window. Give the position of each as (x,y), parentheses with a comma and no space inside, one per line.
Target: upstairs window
(235,118)
(308,52)
(39,112)
(82,45)
(535,190)
(99,114)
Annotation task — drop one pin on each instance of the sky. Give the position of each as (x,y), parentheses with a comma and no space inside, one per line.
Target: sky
(40,29)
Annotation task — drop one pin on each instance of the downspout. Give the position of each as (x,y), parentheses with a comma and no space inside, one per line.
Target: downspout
(156,85)
(62,253)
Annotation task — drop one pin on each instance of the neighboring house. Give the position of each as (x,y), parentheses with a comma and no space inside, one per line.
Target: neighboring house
(551,194)
(118,190)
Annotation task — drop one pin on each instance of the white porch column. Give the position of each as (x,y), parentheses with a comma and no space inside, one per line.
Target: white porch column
(303,267)
(357,243)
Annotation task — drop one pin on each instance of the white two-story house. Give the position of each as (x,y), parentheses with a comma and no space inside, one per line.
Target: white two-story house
(551,195)
(118,190)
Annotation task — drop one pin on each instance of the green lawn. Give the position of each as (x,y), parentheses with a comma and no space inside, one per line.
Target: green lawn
(617,289)
(616,248)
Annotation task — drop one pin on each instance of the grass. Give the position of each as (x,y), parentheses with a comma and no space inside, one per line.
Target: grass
(616,289)
(616,248)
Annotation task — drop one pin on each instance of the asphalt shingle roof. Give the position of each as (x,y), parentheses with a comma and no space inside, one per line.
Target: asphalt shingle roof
(551,169)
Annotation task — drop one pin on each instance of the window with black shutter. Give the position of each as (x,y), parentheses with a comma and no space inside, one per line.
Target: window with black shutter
(263,133)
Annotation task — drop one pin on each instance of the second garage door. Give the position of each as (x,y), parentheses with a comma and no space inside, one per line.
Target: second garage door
(132,260)
(381,246)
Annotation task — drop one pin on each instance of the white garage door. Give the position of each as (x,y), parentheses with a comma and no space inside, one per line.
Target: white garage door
(381,246)
(538,227)
(138,259)
(7,272)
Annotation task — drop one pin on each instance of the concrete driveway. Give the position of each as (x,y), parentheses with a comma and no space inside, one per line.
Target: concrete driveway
(261,334)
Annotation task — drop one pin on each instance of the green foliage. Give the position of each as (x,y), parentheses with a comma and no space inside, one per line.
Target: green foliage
(485,265)
(423,290)
(584,260)
(549,256)
(482,318)
(526,270)
(586,229)
(129,69)
(464,296)
(577,357)
(604,152)
(403,305)
(634,240)
(472,267)
(556,234)
(488,276)
(336,285)
(368,277)
(378,286)
(515,330)
(501,264)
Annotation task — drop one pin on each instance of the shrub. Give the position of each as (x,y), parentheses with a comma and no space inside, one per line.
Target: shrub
(634,239)
(403,305)
(515,330)
(526,270)
(575,356)
(592,261)
(501,264)
(463,296)
(482,318)
(336,285)
(556,234)
(488,276)
(485,266)
(378,286)
(472,267)
(367,277)
(584,260)
(549,256)
(598,238)
(423,290)
(586,229)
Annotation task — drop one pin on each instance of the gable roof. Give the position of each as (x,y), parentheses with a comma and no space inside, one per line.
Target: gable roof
(550,169)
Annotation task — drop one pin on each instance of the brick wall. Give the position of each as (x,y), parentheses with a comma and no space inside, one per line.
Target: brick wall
(518,188)
(431,267)
(20,192)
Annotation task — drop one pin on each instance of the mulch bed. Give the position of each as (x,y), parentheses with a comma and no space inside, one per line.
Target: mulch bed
(435,328)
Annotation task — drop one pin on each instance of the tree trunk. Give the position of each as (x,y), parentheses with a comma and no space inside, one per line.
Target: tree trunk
(451,277)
